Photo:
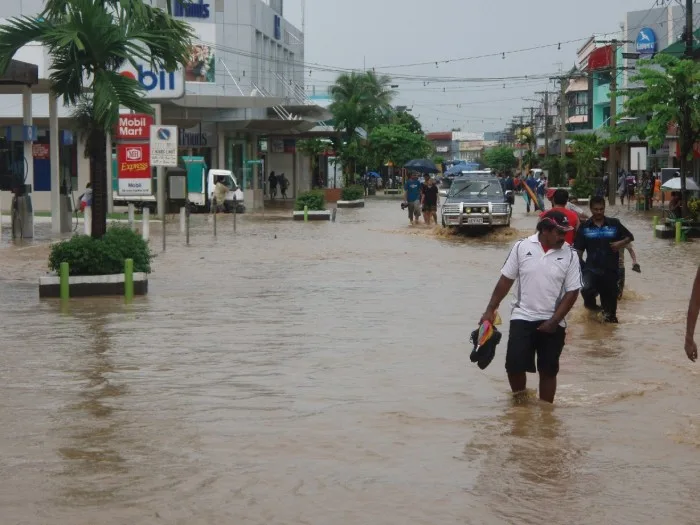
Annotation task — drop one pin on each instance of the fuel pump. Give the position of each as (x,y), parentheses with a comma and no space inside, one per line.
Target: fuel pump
(22,211)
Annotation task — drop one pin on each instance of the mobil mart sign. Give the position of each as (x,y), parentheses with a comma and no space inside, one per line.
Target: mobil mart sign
(159,84)
(134,126)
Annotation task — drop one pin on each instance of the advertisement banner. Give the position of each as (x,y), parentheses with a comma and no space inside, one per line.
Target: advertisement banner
(201,67)
(134,169)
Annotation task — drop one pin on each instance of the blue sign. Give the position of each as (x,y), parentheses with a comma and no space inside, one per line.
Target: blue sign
(66,137)
(278,27)
(29,133)
(163,134)
(192,9)
(646,41)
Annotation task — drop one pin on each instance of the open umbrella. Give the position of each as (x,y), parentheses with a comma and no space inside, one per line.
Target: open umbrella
(374,174)
(422,166)
(674,184)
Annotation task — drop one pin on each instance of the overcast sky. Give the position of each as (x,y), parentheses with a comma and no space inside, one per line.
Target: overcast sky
(376,33)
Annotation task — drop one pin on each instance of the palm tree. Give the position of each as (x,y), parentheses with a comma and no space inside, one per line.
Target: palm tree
(88,42)
(360,100)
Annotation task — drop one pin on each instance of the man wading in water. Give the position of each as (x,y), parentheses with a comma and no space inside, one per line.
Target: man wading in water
(691,348)
(602,238)
(549,280)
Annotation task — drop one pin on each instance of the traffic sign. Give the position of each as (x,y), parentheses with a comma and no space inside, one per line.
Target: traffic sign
(164,141)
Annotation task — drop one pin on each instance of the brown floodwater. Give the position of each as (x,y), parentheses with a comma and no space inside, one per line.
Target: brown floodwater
(319,374)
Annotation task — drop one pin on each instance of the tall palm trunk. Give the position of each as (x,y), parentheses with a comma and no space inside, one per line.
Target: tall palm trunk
(98,181)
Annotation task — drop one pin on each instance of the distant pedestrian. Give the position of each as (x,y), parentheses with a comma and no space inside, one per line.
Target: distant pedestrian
(430,200)
(548,277)
(560,200)
(412,197)
(284,184)
(273,185)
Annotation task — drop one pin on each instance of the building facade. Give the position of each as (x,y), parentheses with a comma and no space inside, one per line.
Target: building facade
(244,83)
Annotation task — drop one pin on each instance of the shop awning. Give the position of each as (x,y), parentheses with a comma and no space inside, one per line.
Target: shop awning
(677,49)
(20,74)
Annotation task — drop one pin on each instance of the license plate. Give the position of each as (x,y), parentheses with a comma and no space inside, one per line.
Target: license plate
(475,220)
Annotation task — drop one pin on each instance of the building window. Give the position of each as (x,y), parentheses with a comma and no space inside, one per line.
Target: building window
(578,104)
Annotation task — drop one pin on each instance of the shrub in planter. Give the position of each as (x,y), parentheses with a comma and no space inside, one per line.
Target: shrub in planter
(314,199)
(694,209)
(105,256)
(353,193)
(583,187)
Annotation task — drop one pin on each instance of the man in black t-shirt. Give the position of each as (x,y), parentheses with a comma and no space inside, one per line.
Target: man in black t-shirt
(602,238)
(429,199)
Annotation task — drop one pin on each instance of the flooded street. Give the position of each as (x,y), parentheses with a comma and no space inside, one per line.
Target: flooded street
(319,374)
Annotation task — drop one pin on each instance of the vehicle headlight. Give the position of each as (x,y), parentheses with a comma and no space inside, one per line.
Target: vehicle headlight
(484,210)
(467,210)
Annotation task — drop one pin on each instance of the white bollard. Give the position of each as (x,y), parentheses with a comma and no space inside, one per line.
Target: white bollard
(87,220)
(183,212)
(146,229)
(131,214)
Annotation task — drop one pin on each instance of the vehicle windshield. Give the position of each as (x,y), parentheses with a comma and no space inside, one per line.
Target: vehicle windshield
(482,188)
(228,181)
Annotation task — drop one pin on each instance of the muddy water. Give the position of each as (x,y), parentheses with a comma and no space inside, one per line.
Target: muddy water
(319,374)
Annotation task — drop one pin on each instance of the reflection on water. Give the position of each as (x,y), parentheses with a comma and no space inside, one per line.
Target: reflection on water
(319,373)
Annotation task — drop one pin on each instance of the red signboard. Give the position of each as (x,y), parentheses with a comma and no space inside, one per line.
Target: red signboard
(696,150)
(135,126)
(133,161)
(601,58)
(41,151)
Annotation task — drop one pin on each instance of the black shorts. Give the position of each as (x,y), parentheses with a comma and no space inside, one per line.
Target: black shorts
(524,342)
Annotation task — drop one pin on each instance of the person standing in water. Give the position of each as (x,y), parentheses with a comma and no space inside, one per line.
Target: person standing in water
(549,280)
(691,348)
(601,238)
(430,200)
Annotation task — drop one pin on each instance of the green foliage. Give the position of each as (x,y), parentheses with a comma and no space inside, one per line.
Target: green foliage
(88,256)
(398,144)
(587,149)
(438,159)
(404,118)
(557,170)
(500,158)
(353,193)
(583,187)
(314,199)
(694,208)
(670,85)
(312,148)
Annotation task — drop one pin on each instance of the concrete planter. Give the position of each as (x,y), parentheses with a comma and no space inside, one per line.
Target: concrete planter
(320,215)
(92,285)
(360,203)
(393,192)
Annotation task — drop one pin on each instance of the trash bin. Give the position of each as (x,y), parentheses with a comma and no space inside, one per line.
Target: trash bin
(176,189)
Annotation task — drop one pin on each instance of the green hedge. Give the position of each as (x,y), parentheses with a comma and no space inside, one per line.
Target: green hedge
(353,193)
(88,256)
(314,199)
(582,187)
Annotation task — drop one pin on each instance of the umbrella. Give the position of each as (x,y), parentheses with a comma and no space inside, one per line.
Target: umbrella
(422,166)
(374,174)
(674,184)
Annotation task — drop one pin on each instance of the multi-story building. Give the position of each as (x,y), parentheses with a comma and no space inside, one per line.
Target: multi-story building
(243,90)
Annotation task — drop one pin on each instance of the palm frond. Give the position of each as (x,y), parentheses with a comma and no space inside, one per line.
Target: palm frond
(111,91)
(16,33)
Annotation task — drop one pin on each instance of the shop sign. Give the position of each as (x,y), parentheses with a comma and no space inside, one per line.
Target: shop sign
(164,146)
(40,151)
(134,169)
(646,41)
(159,84)
(135,126)
(191,9)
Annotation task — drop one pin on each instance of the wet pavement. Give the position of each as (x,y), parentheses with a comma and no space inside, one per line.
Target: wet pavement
(319,373)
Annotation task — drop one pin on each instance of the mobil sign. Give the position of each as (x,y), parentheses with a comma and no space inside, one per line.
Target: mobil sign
(134,126)
(159,84)
(134,169)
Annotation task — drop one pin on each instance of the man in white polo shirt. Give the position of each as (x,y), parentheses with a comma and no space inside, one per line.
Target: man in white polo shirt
(549,279)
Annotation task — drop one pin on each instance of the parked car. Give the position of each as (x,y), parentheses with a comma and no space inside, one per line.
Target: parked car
(476,200)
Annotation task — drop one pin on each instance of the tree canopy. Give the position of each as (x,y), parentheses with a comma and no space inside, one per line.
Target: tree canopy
(398,144)
(500,158)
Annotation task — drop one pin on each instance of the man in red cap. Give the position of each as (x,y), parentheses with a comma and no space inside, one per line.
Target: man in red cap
(549,279)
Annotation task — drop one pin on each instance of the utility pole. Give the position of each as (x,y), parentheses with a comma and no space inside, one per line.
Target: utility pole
(612,179)
(687,139)
(546,121)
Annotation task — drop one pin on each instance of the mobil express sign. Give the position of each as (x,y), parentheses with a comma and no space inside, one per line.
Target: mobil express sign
(134,169)
(191,9)
(159,84)
(134,126)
